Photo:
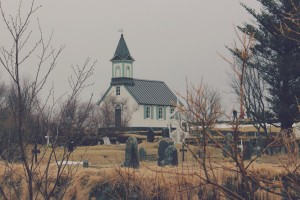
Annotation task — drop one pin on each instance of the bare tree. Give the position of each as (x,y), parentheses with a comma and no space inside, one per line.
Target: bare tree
(27,112)
(107,112)
(248,84)
(203,105)
(203,108)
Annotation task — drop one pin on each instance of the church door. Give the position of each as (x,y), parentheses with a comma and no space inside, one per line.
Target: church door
(118,117)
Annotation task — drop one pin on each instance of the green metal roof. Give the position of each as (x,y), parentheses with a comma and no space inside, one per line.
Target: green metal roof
(148,92)
(122,52)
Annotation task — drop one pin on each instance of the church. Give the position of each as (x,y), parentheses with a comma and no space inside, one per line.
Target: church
(154,101)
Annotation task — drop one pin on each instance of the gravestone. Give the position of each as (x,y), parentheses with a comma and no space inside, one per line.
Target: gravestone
(71,146)
(227,145)
(142,154)
(171,156)
(106,141)
(85,164)
(165,133)
(163,145)
(247,153)
(150,136)
(131,153)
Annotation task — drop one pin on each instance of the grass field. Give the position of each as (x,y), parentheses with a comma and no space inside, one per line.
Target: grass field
(149,180)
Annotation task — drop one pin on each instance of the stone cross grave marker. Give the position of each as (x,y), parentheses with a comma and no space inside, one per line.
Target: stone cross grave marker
(35,152)
(48,139)
(183,150)
(179,136)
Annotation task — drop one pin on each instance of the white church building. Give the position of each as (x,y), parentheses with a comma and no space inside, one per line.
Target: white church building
(154,100)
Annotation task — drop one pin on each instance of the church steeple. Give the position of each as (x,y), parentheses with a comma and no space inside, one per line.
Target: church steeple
(122,64)
(122,51)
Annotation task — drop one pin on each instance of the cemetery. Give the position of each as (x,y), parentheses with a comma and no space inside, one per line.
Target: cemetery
(155,164)
(157,160)
(150,149)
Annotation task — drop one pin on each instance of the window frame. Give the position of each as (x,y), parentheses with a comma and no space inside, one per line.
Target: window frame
(118,91)
(172,109)
(160,113)
(148,112)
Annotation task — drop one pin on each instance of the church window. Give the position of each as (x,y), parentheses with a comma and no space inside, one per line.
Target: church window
(128,71)
(148,112)
(118,71)
(118,90)
(171,112)
(160,113)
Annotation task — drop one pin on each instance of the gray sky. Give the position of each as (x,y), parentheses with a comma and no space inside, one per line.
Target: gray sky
(169,39)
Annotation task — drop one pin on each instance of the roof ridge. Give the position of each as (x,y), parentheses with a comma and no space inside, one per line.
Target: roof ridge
(148,80)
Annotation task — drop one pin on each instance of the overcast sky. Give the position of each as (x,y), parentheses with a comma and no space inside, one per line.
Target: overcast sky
(169,39)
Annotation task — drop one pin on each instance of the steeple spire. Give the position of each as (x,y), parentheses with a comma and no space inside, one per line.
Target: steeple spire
(122,65)
(122,51)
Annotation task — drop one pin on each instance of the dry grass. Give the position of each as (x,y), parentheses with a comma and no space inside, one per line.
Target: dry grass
(149,181)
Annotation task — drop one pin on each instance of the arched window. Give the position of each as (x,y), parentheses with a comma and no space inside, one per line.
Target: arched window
(118,90)
(128,71)
(160,113)
(118,71)
(148,112)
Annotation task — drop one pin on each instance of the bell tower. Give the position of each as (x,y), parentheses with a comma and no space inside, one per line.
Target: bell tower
(122,65)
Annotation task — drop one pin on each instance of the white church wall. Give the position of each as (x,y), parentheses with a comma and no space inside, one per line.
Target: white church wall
(137,118)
